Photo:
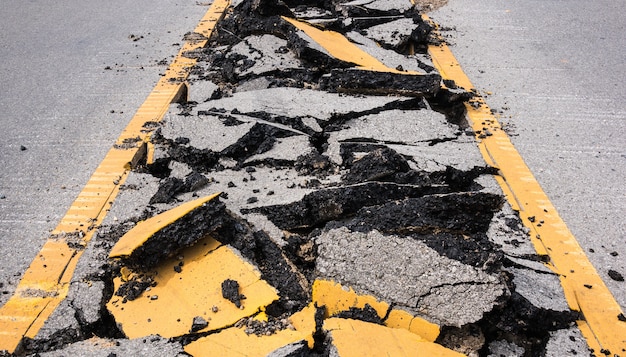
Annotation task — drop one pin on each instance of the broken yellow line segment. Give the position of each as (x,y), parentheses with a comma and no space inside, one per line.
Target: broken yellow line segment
(46,281)
(584,289)
(343,49)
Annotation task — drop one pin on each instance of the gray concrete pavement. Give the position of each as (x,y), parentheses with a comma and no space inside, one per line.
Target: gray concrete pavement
(556,73)
(65,109)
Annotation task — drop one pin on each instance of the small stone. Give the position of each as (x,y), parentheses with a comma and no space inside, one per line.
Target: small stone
(252,199)
(23,148)
(615,275)
(230,292)
(198,324)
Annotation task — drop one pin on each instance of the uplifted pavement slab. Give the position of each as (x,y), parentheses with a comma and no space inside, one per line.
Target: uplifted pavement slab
(409,274)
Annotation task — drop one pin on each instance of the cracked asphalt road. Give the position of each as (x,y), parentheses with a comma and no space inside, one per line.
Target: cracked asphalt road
(378,187)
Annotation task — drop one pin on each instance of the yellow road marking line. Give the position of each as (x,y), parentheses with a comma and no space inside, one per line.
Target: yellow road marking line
(584,289)
(24,314)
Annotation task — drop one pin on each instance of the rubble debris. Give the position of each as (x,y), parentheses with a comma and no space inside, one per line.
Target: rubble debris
(376,166)
(230,292)
(133,288)
(314,164)
(198,324)
(168,188)
(521,322)
(367,314)
(615,275)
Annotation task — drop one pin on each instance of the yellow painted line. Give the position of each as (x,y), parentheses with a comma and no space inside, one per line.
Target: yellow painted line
(584,289)
(24,314)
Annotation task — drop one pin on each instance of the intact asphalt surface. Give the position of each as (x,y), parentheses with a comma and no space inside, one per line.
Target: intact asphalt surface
(64,109)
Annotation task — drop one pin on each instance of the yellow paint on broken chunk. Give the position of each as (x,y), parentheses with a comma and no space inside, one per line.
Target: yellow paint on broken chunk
(169,308)
(359,338)
(341,48)
(337,298)
(140,234)
(417,325)
(236,342)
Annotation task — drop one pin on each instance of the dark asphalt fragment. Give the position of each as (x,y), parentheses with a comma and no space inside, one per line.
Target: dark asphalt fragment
(259,139)
(376,166)
(325,205)
(615,275)
(168,188)
(453,225)
(198,324)
(281,273)
(132,289)
(519,321)
(367,314)
(211,217)
(314,164)
(230,292)
(380,83)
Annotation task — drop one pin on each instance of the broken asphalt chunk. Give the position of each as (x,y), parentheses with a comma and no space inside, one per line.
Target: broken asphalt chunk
(408,274)
(162,236)
(338,299)
(193,294)
(325,205)
(380,83)
(230,292)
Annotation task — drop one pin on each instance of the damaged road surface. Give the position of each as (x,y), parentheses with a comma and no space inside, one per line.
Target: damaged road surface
(319,193)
